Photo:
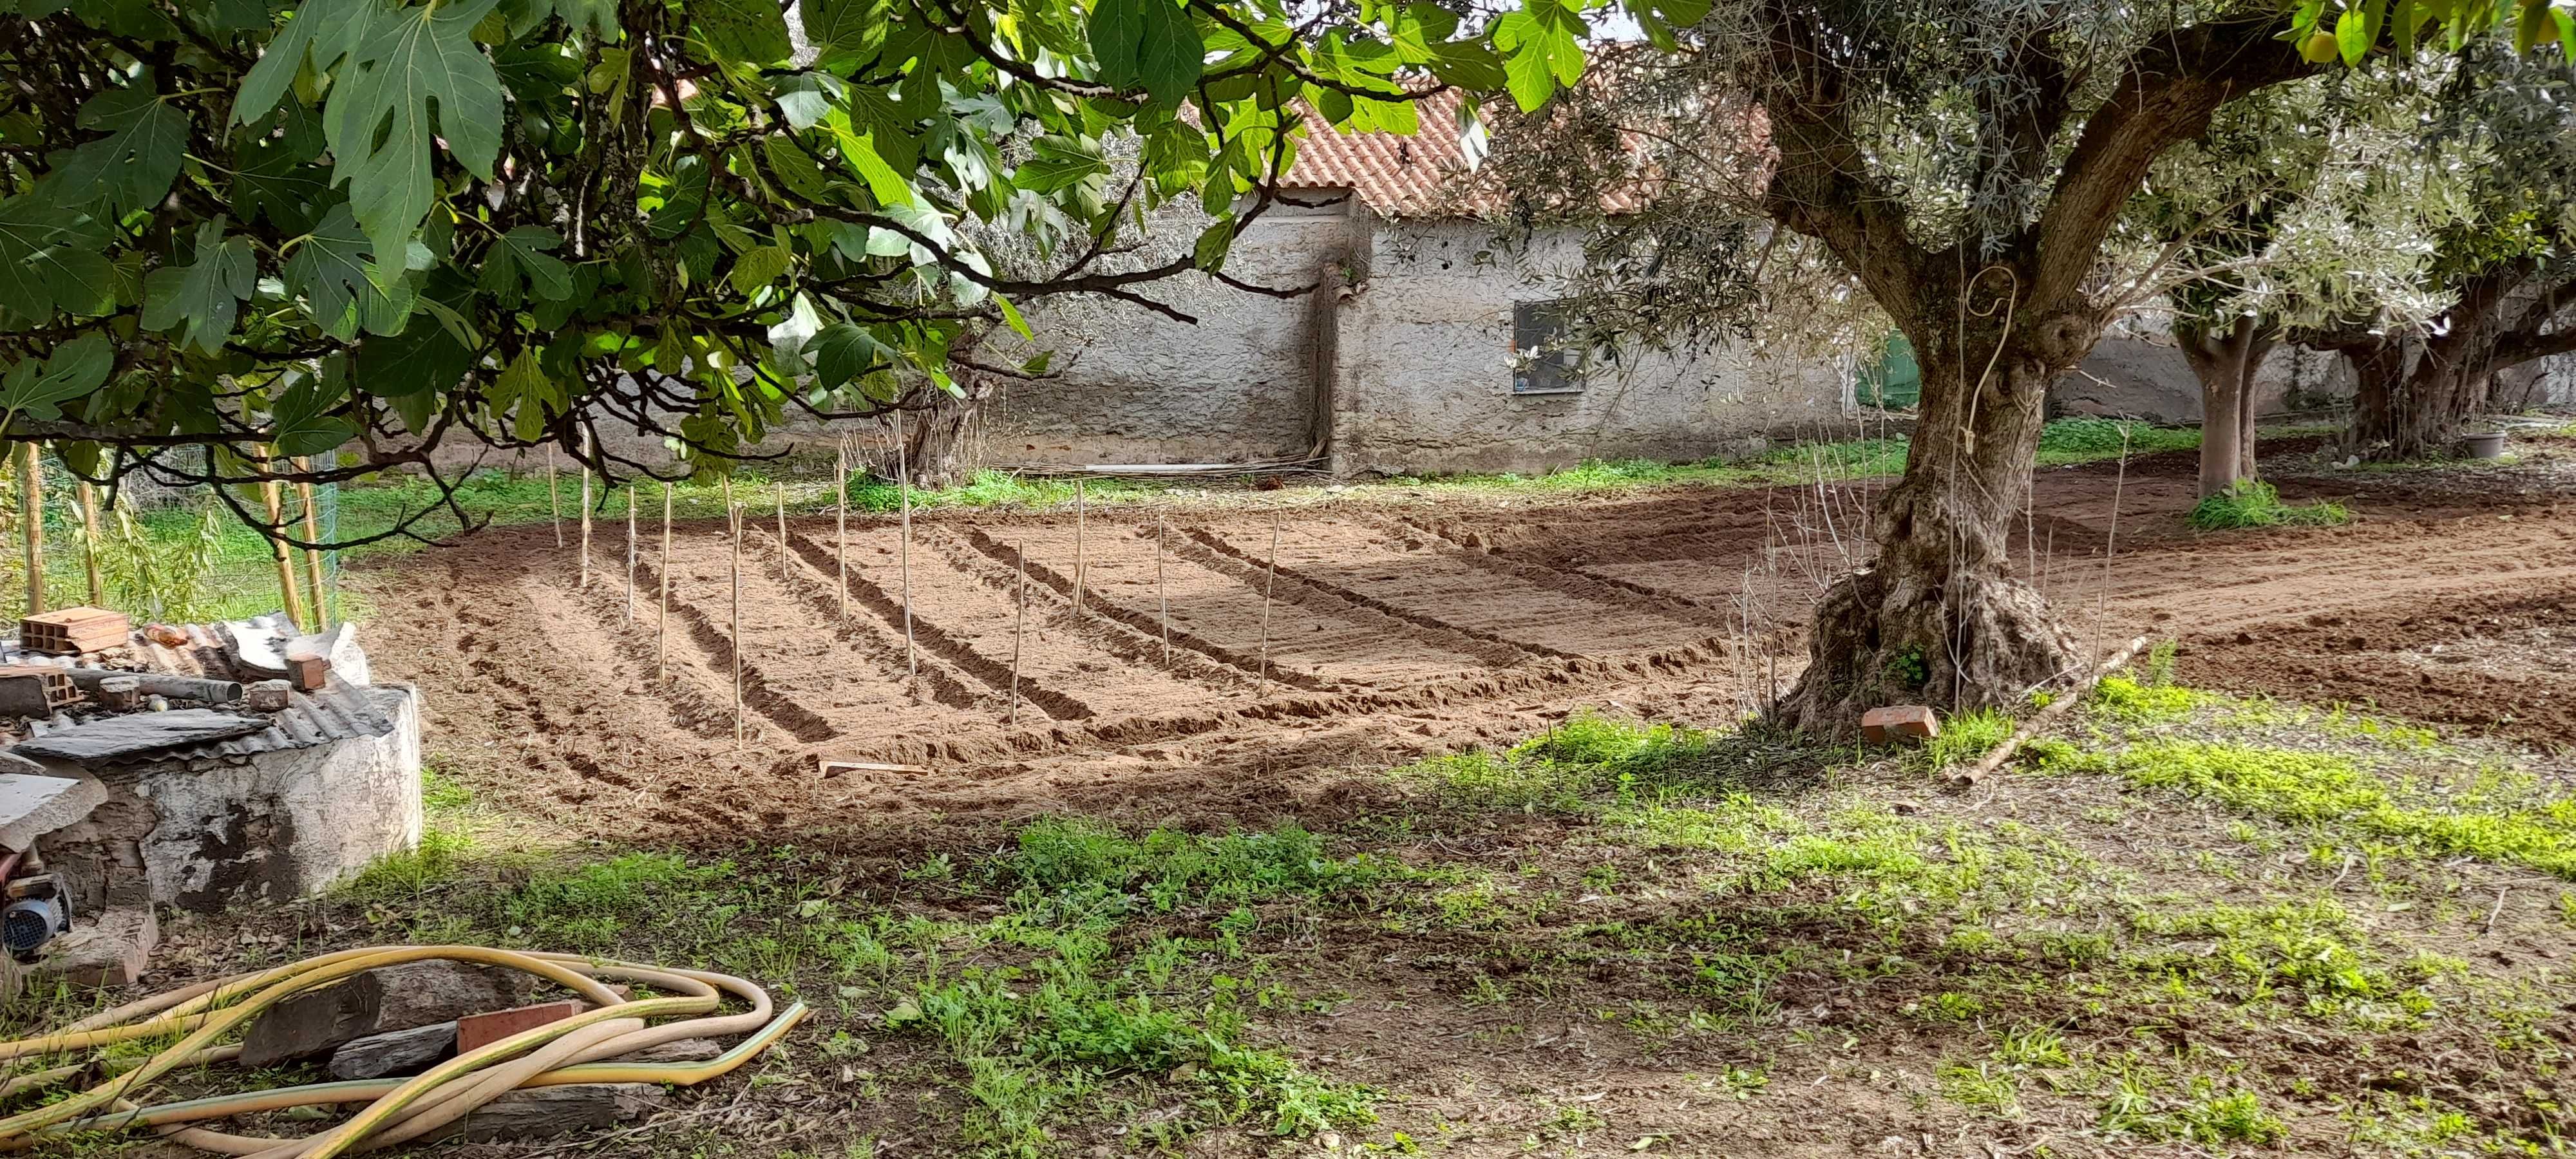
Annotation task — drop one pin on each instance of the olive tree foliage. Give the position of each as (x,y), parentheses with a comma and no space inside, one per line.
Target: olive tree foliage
(1965,165)
(2303,204)
(325,237)
(2500,128)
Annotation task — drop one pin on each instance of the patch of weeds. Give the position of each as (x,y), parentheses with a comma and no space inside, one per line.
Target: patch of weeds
(1735,823)
(1572,767)
(1947,1006)
(1966,737)
(2311,949)
(440,793)
(1982,1087)
(2309,787)
(593,906)
(2156,668)
(2253,503)
(2032,1046)
(438,859)
(2205,1114)
(1909,668)
(1169,869)
(2142,702)
(2088,440)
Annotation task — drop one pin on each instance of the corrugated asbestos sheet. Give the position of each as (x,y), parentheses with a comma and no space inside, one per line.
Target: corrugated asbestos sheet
(335,712)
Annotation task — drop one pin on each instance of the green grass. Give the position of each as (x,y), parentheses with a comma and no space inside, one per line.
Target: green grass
(2253,503)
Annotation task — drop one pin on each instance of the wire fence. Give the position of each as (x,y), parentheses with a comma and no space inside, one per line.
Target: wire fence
(160,552)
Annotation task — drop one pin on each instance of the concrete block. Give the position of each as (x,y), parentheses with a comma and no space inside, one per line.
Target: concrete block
(414,994)
(32,806)
(108,950)
(395,1052)
(474,1032)
(120,694)
(1899,722)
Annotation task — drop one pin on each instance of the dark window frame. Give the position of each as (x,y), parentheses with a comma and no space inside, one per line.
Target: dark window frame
(1541,365)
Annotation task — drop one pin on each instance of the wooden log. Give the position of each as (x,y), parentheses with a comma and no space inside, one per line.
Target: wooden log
(2056,708)
(1270,578)
(903,549)
(89,542)
(31,513)
(313,555)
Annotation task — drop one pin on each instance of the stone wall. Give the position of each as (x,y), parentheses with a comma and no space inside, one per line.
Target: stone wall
(1425,378)
(208,833)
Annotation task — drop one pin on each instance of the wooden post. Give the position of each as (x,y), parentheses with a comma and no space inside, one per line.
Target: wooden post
(313,555)
(630,553)
(1162,596)
(1019,630)
(733,520)
(903,548)
(554,494)
(662,623)
(31,509)
(1266,582)
(585,511)
(89,542)
(1078,514)
(277,547)
(841,528)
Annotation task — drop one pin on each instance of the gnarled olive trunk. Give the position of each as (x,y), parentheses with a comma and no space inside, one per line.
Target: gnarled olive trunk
(1939,618)
(943,442)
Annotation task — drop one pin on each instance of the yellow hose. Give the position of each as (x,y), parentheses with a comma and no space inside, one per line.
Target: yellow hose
(565,1051)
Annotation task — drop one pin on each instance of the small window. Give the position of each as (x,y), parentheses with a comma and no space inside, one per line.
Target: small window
(1542,360)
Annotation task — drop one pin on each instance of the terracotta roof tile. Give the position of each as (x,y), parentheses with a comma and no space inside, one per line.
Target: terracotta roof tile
(1422,175)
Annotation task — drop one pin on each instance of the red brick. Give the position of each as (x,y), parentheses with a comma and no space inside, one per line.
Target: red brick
(475,1031)
(1899,722)
(307,672)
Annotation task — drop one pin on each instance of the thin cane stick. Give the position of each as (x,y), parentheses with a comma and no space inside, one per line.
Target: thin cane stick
(312,555)
(1162,595)
(554,494)
(733,520)
(1079,512)
(903,547)
(630,553)
(31,511)
(841,529)
(662,621)
(89,541)
(1019,629)
(1266,581)
(585,511)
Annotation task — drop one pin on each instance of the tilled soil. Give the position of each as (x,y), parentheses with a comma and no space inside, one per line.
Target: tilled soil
(1392,631)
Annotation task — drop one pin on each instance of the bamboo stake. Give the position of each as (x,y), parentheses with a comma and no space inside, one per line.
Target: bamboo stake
(841,529)
(662,622)
(733,520)
(89,542)
(903,548)
(630,553)
(31,507)
(1078,513)
(782,520)
(1272,577)
(585,511)
(277,547)
(1019,629)
(313,555)
(554,494)
(1162,596)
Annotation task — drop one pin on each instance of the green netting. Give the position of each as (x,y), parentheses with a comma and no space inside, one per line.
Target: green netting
(1894,381)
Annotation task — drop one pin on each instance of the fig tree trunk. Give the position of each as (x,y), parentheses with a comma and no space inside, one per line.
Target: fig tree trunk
(1939,618)
(943,441)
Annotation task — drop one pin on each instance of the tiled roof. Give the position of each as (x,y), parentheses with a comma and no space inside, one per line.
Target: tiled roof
(1396,175)
(336,711)
(1421,175)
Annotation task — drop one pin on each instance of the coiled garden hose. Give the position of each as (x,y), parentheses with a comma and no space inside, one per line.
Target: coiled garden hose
(569,1050)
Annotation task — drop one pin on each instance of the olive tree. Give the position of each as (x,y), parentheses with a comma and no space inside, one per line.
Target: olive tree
(1965,164)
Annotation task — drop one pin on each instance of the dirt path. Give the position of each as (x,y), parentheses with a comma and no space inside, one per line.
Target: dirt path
(1393,632)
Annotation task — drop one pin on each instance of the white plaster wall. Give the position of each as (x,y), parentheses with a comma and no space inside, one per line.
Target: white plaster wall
(1426,377)
(1136,386)
(2137,372)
